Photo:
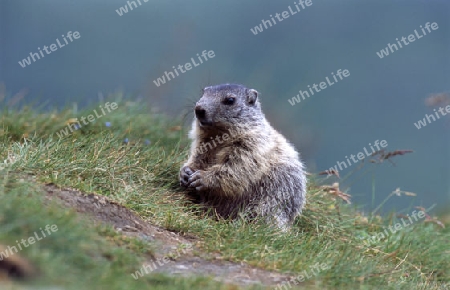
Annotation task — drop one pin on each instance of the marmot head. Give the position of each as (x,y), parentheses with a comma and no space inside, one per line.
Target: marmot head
(227,104)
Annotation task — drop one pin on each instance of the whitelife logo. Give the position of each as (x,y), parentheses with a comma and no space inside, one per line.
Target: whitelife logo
(36,56)
(124,9)
(284,15)
(323,85)
(360,155)
(431,118)
(150,267)
(411,38)
(31,240)
(187,66)
(90,118)
(394,228)
(203,147)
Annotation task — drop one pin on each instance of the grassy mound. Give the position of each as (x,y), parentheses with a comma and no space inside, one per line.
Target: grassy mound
(133,156)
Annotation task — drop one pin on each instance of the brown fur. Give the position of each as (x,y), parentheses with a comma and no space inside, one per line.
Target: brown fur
(239,163)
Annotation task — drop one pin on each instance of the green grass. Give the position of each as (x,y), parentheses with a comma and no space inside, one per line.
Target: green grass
(143,178)
(75,256)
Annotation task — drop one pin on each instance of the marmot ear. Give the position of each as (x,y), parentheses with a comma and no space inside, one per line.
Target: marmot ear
(252,95)
(205,89)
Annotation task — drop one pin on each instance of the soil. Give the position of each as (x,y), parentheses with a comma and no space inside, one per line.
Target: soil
(189,262)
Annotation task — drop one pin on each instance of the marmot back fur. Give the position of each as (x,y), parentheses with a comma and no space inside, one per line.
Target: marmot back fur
(239,163)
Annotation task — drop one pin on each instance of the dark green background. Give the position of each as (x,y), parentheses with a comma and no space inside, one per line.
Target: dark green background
(381,99)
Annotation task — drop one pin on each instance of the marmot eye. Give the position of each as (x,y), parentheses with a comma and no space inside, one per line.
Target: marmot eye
(229,100)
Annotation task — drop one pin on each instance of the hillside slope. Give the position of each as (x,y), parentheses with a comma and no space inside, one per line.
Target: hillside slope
(131,157)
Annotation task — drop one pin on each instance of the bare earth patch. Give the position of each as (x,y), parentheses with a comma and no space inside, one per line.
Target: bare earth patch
(127,222)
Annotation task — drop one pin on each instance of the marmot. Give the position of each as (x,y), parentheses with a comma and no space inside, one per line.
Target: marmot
(253,170)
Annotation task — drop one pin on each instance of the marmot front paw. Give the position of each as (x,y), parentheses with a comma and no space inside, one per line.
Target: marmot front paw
(185,174)
(196,180)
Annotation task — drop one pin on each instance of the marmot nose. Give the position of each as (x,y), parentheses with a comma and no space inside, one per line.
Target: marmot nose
(200,113)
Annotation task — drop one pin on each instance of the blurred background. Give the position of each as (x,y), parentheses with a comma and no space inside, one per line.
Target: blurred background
(380,100)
